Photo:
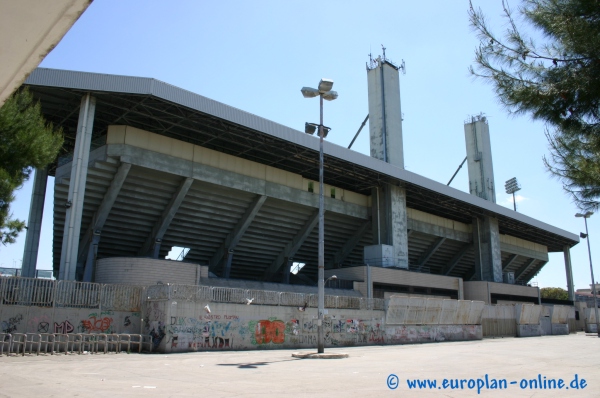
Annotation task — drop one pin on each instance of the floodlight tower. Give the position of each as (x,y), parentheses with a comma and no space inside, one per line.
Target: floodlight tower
(511,186)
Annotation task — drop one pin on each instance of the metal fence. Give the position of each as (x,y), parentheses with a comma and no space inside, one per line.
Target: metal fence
(49,293)
(257,297)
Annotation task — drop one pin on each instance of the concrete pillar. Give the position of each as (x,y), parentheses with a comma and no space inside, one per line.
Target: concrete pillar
(90,263)
(34,223)
(78,177)
(385,114)
(569,271)
(479,159)
(392,221)
(488,258)
(227,265)
(285,277)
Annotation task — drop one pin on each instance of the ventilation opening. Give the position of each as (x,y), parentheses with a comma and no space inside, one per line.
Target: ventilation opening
(296,267)
(311,186)
(333,193)
(177,253)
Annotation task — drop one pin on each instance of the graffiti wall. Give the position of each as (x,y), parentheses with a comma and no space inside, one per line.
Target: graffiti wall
(30,319)
(185,326)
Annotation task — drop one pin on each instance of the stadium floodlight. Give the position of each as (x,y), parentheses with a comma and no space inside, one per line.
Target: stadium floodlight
(511,186)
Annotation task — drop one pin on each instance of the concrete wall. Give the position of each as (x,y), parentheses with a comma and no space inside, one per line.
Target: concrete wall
(146,271)
(482,290)
(31,319)
(187,326)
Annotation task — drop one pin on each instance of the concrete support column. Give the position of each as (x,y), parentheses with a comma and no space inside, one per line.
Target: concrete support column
(34,223)
(91,258)
(569,271)
(392,222)
(70,244)
(488,258)
(285,277)
(227,266)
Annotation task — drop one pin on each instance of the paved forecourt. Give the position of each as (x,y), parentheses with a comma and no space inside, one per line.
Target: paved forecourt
(527,363)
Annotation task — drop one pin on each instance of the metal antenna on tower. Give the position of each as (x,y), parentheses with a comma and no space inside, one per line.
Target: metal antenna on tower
(383,48)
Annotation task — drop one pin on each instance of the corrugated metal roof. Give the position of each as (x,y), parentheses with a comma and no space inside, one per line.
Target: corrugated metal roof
(95,82)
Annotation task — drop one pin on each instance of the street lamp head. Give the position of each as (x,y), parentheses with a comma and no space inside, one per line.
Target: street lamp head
(309,92)
(330,95)
(325,85)
(582,235)
(310,128)
(586,215)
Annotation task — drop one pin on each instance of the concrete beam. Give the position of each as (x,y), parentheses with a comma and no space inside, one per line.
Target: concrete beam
(201,172)
(569,272)
(34,223)
(99,218)
(535,270)
(345,251)
(292,247)
(509,261)
(437,230)
(430,251)
(161,226)
(70,245)
(524,268)
(456,259)
(523,252)
(234,236)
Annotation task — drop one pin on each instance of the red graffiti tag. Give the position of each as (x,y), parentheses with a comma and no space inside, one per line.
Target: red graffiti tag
(269,331)
(97,325)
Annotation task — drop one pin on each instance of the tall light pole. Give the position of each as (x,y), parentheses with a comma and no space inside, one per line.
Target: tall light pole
(324,92)
(587,236)
(512,186)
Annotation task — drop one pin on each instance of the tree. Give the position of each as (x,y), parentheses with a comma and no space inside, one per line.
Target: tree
(555,293)
(554,78)
(26,141)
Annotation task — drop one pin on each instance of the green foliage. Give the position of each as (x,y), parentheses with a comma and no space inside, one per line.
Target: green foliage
(26,141)
(555,293)
(556,79)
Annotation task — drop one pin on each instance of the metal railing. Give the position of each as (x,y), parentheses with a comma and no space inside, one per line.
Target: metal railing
(256,297)
(70,294)
(72,343)
(49,293)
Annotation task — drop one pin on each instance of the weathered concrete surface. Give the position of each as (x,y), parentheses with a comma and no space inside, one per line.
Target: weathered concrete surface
(529,330)
(275,373)
(560,329)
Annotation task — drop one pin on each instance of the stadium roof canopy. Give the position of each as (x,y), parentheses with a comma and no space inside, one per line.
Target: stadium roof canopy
(167,110)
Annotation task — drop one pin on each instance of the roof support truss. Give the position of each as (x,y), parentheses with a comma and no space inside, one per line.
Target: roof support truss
(431,251)
(161,226)
(236,235)
(456,258)
(292,247)
(343,252)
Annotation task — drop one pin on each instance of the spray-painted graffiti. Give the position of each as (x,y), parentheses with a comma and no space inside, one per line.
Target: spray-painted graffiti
(158,334)
(63,327)
(267,331)
(94,324)
(11,324)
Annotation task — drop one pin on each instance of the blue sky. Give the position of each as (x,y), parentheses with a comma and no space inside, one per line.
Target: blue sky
(256,55)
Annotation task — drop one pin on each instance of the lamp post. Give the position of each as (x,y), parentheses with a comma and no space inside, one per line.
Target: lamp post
(587,236)
(324,92)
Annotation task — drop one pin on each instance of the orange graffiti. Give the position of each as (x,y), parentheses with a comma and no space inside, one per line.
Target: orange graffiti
(97,325)
(269,331)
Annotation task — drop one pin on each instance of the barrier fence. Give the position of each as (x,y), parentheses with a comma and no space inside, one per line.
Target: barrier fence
(72,343)
(258,297)
(49,293)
